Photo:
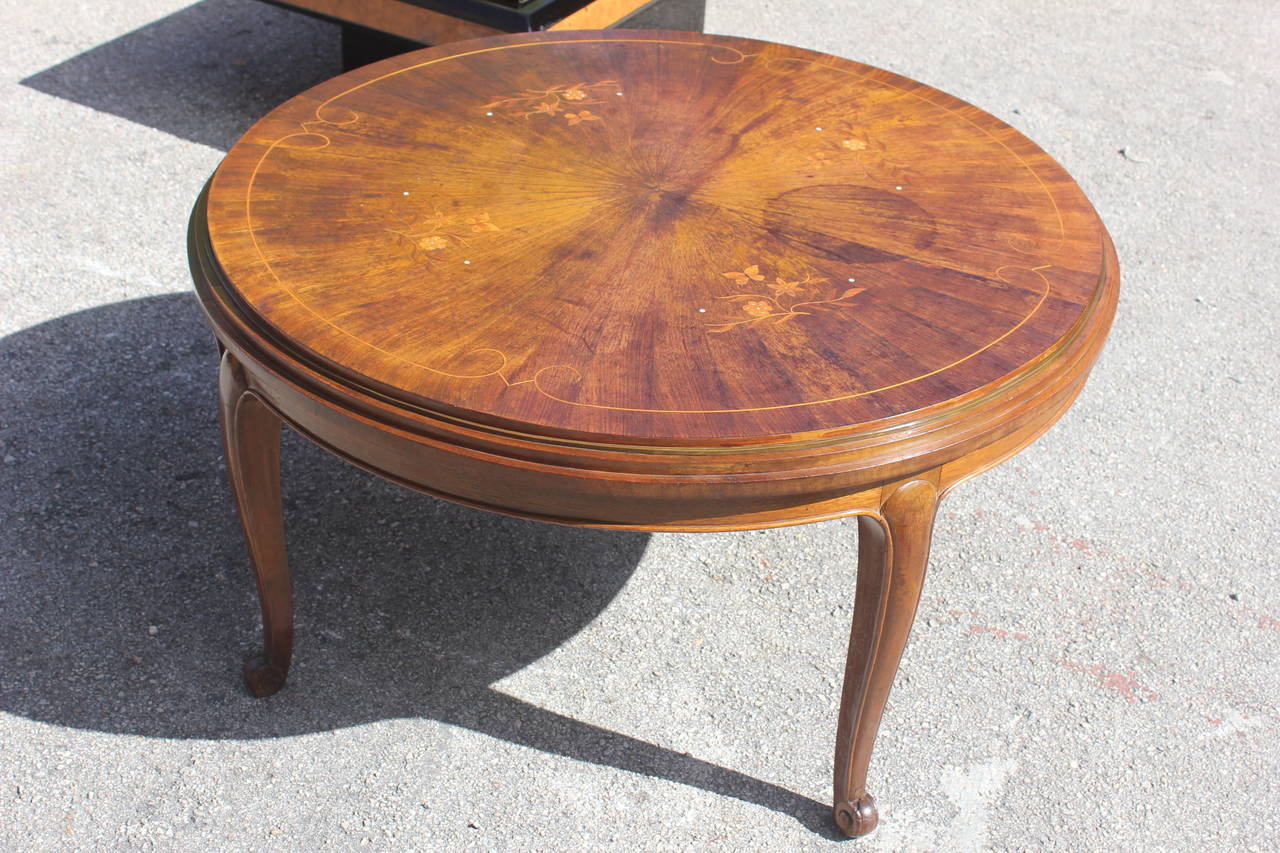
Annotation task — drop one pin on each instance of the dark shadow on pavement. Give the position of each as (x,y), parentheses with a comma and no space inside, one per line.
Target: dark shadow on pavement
(126,603)
(205,73)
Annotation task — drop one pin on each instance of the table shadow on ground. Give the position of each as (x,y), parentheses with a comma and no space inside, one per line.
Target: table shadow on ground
(205,73)
(126,602)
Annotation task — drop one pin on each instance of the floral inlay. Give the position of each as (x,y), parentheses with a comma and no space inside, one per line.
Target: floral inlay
(554,101)
(432,234)
(842,142)
(787,298)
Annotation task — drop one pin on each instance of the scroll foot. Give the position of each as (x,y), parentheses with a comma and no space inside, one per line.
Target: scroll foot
(262,678)
(856,818)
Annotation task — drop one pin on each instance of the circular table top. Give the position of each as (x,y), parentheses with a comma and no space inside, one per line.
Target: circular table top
(654,238)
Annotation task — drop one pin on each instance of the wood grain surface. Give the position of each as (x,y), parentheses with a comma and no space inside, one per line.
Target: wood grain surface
(642,238)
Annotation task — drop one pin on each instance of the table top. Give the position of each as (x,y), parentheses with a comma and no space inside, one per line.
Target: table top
(656,238)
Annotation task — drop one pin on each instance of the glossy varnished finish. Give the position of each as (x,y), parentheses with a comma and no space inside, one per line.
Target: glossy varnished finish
(668,264)
(660,281)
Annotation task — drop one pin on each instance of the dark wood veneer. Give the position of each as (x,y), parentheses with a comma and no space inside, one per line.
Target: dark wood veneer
(761,286)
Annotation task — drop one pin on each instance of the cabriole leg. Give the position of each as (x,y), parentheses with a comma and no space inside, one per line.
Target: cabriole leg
(893,551)
(251,444)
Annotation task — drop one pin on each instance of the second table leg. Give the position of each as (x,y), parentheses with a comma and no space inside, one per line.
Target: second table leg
(251,445)
(893,551)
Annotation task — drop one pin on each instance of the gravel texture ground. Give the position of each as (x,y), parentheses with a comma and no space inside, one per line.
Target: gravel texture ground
(1094,666)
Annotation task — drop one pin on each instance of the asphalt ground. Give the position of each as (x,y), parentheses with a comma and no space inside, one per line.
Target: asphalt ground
(1094,665)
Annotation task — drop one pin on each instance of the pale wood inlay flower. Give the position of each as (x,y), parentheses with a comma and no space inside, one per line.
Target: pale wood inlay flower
(781,287)
(794,297)
(851,145)
(481,223)
(751,273)
(552,101)
(436,232)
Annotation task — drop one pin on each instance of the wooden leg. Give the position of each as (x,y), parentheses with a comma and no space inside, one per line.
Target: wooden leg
(251,444)
(893,551)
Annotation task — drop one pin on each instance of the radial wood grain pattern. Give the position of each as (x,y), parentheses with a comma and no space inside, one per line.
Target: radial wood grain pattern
(653,238)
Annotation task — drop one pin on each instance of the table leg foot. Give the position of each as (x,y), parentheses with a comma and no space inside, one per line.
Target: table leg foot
(251,444)
(856,818)
(893,551)
(263,678)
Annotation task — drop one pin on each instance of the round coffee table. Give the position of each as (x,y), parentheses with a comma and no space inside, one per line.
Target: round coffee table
(652,281)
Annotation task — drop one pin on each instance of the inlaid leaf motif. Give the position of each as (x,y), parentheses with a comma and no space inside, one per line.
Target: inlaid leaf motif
(751,273)
(429,236)
(847,144)
(548,107)
(552,101)
(789,298)
(481,223)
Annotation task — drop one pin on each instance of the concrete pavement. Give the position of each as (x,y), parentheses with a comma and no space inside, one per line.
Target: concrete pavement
(1094,662)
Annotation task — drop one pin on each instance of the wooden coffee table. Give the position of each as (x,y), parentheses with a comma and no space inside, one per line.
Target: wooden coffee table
(650,281)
